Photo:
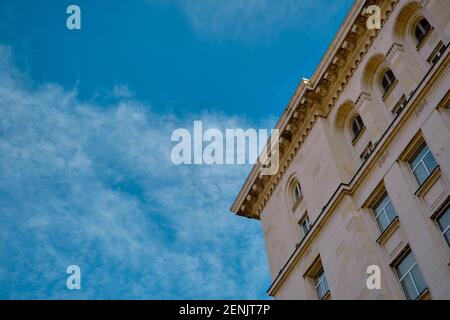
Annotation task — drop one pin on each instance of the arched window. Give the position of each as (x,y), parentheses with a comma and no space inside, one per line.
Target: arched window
(421,30)
(357,126)
(387,80)
(295,192)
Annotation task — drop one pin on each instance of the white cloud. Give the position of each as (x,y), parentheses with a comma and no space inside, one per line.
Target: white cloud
(121,91)
(94,186)
(255,21)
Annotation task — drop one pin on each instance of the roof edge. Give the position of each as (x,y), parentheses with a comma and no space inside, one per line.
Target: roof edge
(299,93)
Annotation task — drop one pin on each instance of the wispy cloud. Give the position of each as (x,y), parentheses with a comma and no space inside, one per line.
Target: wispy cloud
(122,91)
(255,21)
(94,186)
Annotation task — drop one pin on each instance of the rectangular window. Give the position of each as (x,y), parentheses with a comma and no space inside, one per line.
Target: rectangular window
(437,53)
(384,212)
(399,106)
(410,277)
(305,225)
(321,284)
(422,164)
(444,224)
(366,152)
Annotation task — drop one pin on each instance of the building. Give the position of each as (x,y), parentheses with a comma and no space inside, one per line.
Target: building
(364,177)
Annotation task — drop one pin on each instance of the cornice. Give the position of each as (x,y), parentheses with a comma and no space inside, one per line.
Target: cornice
(312,99)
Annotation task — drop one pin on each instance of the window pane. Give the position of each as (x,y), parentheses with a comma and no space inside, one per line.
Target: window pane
(297,192)
(321,284)
(390,76)
(385,84)
(405,265)
(387,81)
(421,174)
(321,291)
(444,220)
(419,156)
(419,33)
(417,276)
(382,203)
(325,284)
(421,29)
(390,212)
(409,288)
(305,227)
(425,24)
(317,278)
(447,236)
(383,221)
(430,162)
(435,59)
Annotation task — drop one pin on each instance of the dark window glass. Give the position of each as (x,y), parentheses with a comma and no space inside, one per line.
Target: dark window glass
(444,224)
(321,284)
(437,53)
(422,28)
(387,80)
(305,225)
(297,192)
(357,126)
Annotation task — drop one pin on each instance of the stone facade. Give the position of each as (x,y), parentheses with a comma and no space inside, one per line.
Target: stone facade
(375,110)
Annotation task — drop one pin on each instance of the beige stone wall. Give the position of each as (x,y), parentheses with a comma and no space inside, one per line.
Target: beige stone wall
(345,233)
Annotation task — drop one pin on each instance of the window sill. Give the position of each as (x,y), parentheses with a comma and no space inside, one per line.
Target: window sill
(429,181)
(424,39)
(358,136)
(438,52)
(425,295)
(303,237)
(326,296)
(389,90)
(437,213)
(296,204)
(388,232)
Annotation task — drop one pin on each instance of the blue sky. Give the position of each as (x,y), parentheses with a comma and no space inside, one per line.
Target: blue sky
(85,124)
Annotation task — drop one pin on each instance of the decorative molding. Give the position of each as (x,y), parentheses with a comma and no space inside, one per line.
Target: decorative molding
(383,158)
(358,185)
(393,50)
(362,96)
(420,106)
(313,99)
(424,3)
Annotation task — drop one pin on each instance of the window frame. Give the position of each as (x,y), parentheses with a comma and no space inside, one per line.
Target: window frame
(367,152)
(409,273)
(358,121)
(392,81)
(294,193)
(415,156)
(425,31)
(437,53)
(441,214)
(399,106)
(297,195)
(320,279)
(375,207)
(305,219)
